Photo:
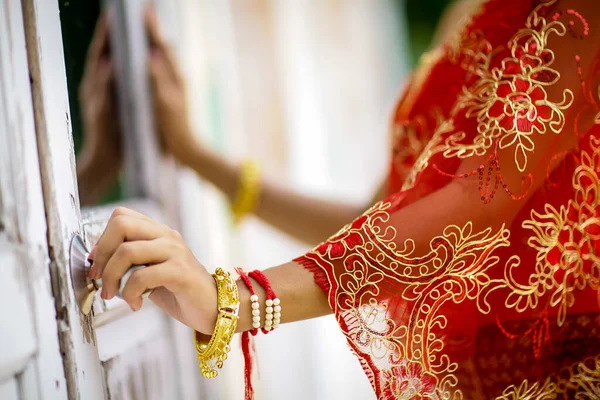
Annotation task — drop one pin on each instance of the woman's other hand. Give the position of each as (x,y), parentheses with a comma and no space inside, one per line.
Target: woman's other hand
(170,102)
(99,162)
(102,145)
(181,285)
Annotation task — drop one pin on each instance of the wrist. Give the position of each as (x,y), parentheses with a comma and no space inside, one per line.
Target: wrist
(189,153)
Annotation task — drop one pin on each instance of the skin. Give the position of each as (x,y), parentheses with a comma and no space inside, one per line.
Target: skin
(305,218)
(182,285)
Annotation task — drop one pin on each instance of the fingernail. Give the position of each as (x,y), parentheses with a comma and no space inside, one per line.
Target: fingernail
(92,254)
(103,294)
(92,272)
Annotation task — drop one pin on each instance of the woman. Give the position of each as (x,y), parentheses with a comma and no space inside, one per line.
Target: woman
(477,275)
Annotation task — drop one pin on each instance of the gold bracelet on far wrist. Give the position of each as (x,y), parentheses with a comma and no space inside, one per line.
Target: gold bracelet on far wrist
(212,354)
(248,194)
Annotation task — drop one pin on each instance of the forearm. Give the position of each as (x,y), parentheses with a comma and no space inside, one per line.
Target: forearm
(295,287)
(306,218)
(301,298)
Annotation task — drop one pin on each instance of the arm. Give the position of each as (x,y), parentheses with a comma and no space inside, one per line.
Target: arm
(306,218)
(401,242)
(99,161)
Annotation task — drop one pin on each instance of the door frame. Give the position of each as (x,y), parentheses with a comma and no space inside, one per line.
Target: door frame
(97,365)
(31,365)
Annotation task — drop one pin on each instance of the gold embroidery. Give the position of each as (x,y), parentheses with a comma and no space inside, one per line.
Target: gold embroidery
(509,103)
(455,269)
(581,380)
(565,240)
(433,146)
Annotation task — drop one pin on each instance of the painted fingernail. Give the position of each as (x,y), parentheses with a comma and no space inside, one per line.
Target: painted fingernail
(92,272)
(103,294)
(92,253)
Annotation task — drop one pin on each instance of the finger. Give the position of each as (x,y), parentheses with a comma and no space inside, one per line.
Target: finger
(154,276)
(105,72)
(159,70)
(128,254)
(98,46)
(159,46)
(129,211)
(120,211)
(124,228)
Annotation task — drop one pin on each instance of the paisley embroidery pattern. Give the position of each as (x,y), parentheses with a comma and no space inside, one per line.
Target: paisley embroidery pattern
(409,357)
(415,312)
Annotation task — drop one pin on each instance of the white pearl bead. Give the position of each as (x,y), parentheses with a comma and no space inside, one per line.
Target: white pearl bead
(277,315)
(256,319)
(254,298)
(269,302)
(276,301)
(269,310)
(275,326)
(255,312)
(269,316)
(255,306)
(256,325)
(277,308)
(267,328)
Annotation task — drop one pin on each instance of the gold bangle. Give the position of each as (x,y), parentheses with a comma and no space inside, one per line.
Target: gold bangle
(211,355)
(247,196)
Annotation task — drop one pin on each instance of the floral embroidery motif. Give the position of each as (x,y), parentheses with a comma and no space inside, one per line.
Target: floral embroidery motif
(509,102)
(566,241)
(405,306)
(408,381)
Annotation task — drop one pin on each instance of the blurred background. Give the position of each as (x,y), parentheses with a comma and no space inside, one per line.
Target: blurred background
(306,87)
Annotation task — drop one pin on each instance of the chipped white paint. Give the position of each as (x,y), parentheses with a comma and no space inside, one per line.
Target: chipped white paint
(30,348)
(130,356)
(55,145)
(17,339)
(155,379)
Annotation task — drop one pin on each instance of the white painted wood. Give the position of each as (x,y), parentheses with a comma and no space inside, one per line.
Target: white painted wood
(9,389)
(24,268)
(146,371)
(17,336)
(29,389)
(107,362)
(130,331)
(55,145)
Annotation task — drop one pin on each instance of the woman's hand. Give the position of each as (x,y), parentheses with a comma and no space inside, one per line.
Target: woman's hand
(182,286)
(170,102)
(102,144)
(99,162)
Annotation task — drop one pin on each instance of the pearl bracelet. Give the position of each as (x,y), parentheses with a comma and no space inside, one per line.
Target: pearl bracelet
(253,299)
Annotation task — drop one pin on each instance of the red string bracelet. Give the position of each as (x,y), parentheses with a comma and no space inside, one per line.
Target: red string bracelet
(246,344)
(272,303)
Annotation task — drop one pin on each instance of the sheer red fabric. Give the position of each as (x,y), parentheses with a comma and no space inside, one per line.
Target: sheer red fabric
(478,276)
